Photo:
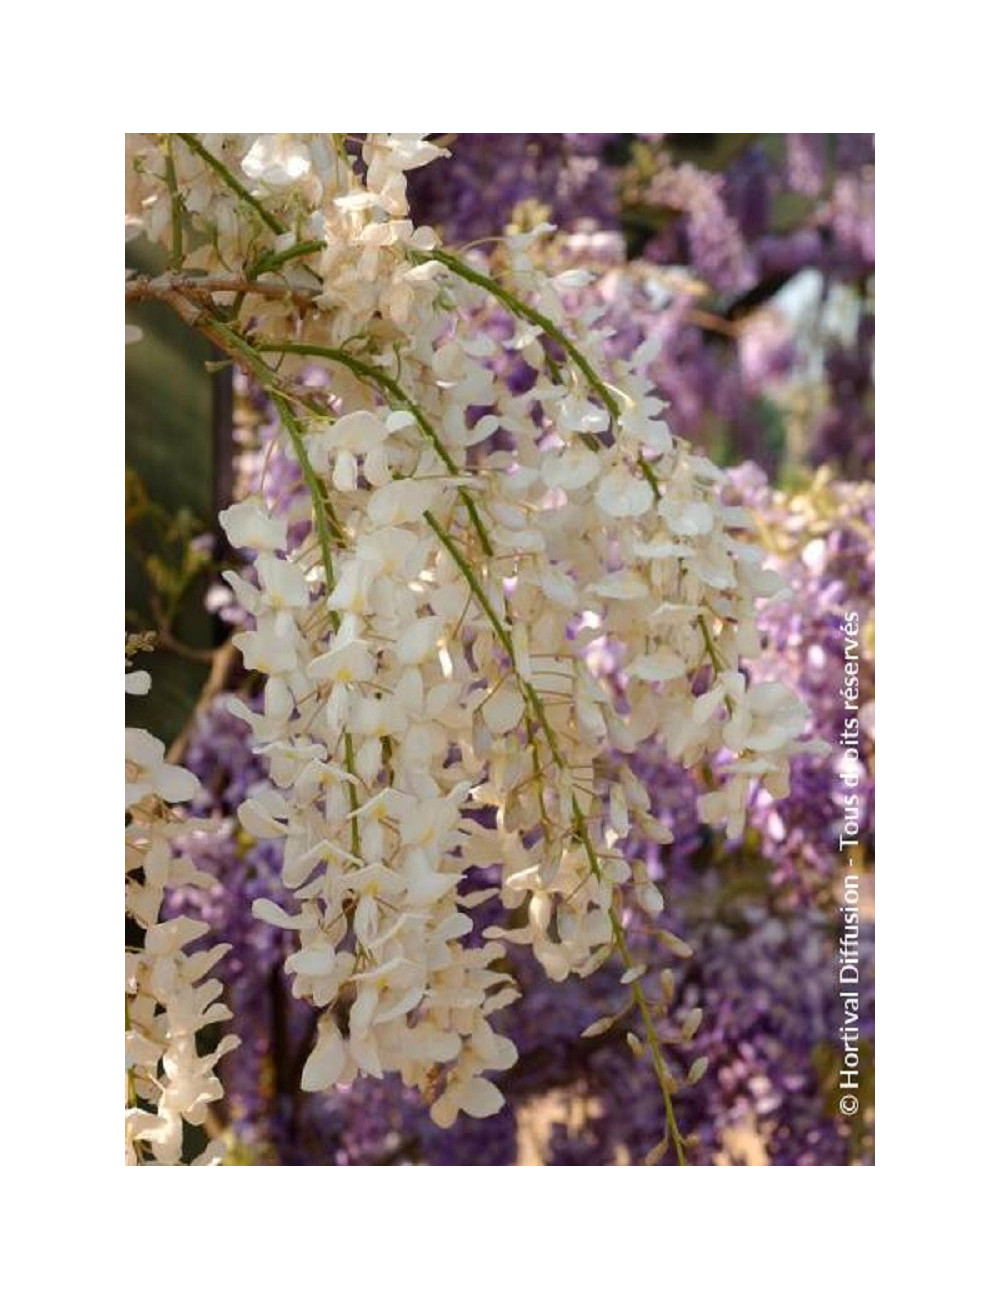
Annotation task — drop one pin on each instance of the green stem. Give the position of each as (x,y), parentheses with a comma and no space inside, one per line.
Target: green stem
(237,347)
(523,309)
(539,780)
(320,499)
(659,1065)
(220,169)
(176,210)
(352,795)
(321,507)
(472,578)
(271,261)
(388,385)
(518,307)
(133,1097)
(579,822)
(718,663)
(713,653)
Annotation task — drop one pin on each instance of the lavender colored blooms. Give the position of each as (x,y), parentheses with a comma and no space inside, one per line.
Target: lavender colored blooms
(710,238)
(829,568)
(730,227)
(474,194)
(845,434)
(807,163)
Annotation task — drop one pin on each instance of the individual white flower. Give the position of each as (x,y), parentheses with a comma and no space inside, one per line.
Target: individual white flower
(353,439)
(267,649)
(687,518)
(621,585)
(767,718)
(663,666)
(326,1061)
(573,468)
(249,526)
(283,584)
(622,494)
(277,161)
(475,1096)
(401,502)
(148,773)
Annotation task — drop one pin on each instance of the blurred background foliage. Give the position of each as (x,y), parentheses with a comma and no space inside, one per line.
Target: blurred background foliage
(170,504)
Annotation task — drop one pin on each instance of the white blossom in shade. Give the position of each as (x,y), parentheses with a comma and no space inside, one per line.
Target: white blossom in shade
(170,1083)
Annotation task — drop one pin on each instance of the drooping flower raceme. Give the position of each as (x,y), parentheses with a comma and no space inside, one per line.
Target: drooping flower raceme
(766,970)
(430,636)
(168,1001)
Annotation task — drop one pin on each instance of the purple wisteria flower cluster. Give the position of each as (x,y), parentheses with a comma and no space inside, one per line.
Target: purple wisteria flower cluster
(758,265)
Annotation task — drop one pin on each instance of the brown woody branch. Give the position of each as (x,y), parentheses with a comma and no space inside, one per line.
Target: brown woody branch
(162,288)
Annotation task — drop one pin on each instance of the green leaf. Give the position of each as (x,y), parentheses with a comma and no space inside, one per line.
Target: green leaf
(168,444)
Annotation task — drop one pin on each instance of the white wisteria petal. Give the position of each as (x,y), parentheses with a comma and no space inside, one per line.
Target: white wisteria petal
(503,710)
(277,161)
(573,468)
(481,1098)
(326,1061)
(622,585)
(621,494)
(687,518)
(402,501)
(249,526)
(663,666)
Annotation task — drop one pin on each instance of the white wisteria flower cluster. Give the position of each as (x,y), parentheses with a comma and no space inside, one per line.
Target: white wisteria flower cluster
(431,633)
(168,1001)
